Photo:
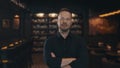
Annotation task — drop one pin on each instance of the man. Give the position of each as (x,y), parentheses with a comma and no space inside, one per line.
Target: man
(65,50)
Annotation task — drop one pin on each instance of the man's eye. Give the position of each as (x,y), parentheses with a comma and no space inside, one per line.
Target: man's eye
(65,19)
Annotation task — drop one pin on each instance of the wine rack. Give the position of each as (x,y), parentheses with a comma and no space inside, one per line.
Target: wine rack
(42,28)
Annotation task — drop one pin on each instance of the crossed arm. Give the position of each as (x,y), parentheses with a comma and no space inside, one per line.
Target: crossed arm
(53,61)
(65,61)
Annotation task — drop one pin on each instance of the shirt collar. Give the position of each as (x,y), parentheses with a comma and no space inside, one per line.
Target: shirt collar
(60,36)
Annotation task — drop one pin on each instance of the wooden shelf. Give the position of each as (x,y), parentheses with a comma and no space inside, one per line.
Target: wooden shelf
(45,27)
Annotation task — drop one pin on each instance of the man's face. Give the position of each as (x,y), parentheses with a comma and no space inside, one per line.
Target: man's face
(64,21)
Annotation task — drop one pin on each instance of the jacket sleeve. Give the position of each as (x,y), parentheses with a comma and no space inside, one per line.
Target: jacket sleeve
(82,56)
(49,60)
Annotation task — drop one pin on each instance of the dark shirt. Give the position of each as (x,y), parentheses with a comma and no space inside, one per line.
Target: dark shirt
(71,47)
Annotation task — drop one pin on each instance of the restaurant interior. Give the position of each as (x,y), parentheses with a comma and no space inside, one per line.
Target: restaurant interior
(26,24)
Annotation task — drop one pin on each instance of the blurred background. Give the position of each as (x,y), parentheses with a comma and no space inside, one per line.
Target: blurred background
(26,24)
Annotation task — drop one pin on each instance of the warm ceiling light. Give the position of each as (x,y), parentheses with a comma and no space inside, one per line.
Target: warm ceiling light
(4,47)
(53,15)
(74,15)
(16,16)
(110,13)
(40,15)
(16,43)
(11,44)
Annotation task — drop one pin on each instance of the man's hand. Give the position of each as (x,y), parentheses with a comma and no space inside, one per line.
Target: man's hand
(53,55)
(67,61)
(66,66)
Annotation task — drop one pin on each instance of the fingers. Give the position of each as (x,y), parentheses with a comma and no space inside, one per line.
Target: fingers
(67,66)
(53,55)
(66,61)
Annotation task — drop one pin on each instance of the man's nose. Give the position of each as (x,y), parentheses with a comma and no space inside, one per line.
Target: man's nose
(64,20)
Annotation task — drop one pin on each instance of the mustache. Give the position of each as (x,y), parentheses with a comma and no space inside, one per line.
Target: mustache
(63,24)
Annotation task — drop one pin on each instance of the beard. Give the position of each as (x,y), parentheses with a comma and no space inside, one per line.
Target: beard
(64,30)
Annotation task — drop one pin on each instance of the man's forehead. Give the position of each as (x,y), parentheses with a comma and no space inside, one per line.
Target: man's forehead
(65,12)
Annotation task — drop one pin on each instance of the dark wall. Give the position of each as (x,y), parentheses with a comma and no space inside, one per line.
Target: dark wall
(7,11)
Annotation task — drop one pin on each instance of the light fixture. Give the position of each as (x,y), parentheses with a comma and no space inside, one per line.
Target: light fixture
(11,44)
(16,16)
(110,13)
(4,48)
(52,15)
(18,3)
(74,15)
(41,15)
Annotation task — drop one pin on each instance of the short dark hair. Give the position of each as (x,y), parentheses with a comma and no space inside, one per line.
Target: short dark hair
(65,9)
